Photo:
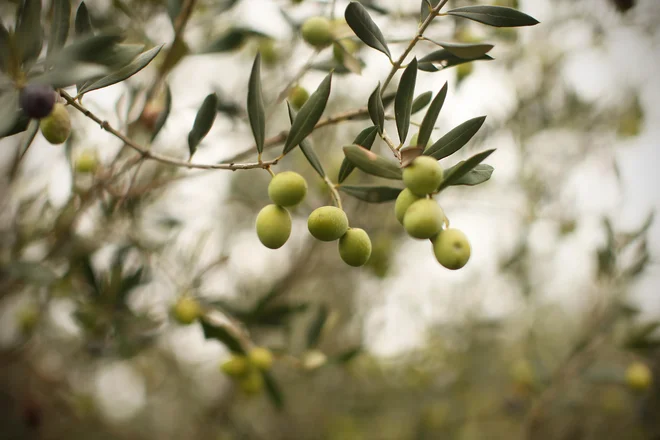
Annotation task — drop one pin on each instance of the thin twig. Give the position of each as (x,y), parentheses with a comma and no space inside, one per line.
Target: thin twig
(333,192)
(420,33)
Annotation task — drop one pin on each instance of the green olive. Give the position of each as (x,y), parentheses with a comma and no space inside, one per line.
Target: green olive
(423,219)
(287,188)
(327,223)
(423,176)
(273,226)
(355,247)
(451,248)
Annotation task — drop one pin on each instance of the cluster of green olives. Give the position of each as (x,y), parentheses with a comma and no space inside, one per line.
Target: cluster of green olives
(248,369)
(39,101)
(327,223)
(423,218)
(286,189)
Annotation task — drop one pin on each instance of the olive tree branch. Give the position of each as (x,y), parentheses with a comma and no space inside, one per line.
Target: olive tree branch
(145,153)
(420,34)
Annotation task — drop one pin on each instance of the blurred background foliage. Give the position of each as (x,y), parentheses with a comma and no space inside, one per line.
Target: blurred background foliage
(90,345)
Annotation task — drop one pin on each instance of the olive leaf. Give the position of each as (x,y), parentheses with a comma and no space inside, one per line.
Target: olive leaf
(421,101)
(364,27)
(125,72)
(479,174)
(404,99)
(468,51)
(273,391)
(309,115)
(376,109)
(232,40)
(203,122)
(461,169)
(222,334)
(431,116)
(83,23)
(28,35)
(9,111)
(445,59)
(371,163)
(427,6)
(5,52)
(307,148)
(164,114)
(371,194)
(498,16)
(455,139)
(316,327)
(255,105)
(364,139)
(59,29)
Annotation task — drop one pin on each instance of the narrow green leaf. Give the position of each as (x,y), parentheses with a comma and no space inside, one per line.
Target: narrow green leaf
(307,148)
(455,139)
(203,122)
(162,117)
(309,115)
(371,163)
(173,9)
(348,355)
(376,109)
(5,52)
(364,27)
(255,104)
(125,72)
(365,139)
(427,6)
(468,51)
(99,49)
(479,174)
(68,74)
(498,16)
(388,99)
(273,391)
(463,168)
(431,117)
(232,40)
(29,33)
(371,194)
(223,335)
(421,101)
(404,99)
(83,23)
(59,28)
(445,59)
(20,125)
(9,111)
(316,327)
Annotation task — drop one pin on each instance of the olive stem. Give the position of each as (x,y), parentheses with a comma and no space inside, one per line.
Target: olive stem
(334,192)
(420,33)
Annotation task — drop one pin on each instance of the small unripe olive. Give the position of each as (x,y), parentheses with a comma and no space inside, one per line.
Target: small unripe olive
(252,382)
(28,318)
(317,32)
(287,188)
(236,366)
(314,359)
(298,96)
(463,71)
(56,127)
(261,357)
(37,100)
(423,219)
(273,226)
(355,247)
(268,51)
(327,223)
(423,176)
(451,248)
(186,310)
(86,162)
(337,52)
(403,202)
(639,376)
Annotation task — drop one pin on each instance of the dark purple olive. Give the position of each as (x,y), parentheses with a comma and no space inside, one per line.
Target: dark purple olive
(624,5)
(37,100)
